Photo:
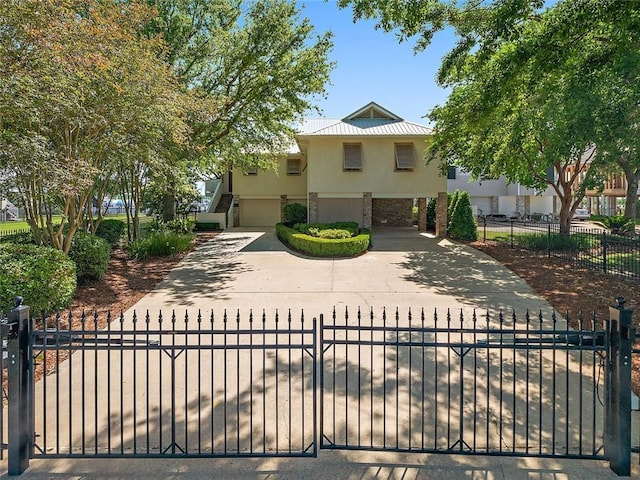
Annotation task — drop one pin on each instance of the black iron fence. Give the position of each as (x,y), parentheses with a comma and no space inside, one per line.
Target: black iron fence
(476,384)
(199,386)
(595,249)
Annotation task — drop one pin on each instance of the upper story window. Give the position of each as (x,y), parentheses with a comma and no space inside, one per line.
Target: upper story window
(293,166)
(405,157)
(451,173)
(352,157)
(251,171)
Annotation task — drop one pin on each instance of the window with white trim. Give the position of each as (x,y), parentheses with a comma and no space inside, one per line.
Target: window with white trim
(293,166)
(352,157)
(405,157)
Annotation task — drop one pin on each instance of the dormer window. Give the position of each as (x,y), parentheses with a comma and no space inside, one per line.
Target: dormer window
(352,157)
(405,157)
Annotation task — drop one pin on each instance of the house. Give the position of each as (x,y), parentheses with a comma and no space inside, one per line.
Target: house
(490,197)
(367,167)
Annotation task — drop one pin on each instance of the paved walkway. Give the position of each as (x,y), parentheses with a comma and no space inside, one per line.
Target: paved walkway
(245,270)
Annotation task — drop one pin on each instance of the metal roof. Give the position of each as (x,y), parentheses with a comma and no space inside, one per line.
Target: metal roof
(362,127)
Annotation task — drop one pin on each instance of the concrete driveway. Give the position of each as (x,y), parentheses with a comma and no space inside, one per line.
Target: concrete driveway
(250,269)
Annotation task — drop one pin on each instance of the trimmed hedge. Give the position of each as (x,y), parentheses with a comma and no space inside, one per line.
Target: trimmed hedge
(207,226)
(91,255)
(294,213)
(322,247)
(112,230)
(310,228)
(43,276)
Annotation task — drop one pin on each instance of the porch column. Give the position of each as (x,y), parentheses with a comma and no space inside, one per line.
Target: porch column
(520,204)
(527,205)
(422,214)
(367,215)
(313,207)
(441,215)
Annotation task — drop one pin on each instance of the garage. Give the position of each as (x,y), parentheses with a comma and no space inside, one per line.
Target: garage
(259,212)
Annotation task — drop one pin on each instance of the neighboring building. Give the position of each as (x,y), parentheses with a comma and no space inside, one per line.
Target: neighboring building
(367,167)
(499,197)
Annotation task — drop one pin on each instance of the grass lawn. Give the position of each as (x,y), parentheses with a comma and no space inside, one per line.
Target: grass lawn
(21,226)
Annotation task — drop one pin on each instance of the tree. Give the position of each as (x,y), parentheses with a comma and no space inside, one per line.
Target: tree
(80,93)
(532,88)
(251,76)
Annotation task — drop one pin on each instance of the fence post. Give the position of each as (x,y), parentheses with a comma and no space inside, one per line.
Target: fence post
(604,252)
(549,241)
(620,335)
(484,229)
(511,234)
(19,382)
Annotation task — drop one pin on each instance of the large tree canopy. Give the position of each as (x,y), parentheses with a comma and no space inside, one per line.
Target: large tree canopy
(80,91)
(533,88)
(252,73)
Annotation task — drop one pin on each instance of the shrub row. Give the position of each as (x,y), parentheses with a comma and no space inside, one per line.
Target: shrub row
(322,247)
(160,243)
(310,228)
(43,276)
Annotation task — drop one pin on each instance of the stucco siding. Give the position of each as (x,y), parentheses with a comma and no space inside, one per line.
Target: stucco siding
(271,183)
(378,175)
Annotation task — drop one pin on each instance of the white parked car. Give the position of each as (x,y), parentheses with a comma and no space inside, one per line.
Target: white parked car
(581,214)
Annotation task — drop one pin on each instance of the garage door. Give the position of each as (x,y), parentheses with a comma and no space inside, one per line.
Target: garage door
(340,210)
(259,213)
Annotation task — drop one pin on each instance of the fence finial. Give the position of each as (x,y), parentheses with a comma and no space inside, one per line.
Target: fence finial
(17,302)
(620,301)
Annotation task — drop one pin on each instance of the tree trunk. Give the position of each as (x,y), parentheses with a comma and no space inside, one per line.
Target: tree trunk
(169,204)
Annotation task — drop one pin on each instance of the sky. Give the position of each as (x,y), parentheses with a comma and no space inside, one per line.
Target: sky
(372,66)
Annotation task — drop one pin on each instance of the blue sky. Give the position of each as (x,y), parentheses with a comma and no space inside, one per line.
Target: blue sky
(372,66)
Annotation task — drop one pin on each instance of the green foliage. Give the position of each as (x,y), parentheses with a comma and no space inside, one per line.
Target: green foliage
(207,226)
(179,225)
(321,247)
(91,255)
(160,243)
(351,227)
(111,230)
(22,238)
(431,214)
(184,195)
(294,213)
(329,233)
(43,276)
(463,225)
(619,224)
(555,242)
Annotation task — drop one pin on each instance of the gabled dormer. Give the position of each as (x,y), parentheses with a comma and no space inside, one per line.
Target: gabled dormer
(372,111)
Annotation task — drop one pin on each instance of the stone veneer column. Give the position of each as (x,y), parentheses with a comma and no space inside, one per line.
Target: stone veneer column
(313,207)
(422,214)
(520,204)
(367,210)
(527,205)
(236,211)
(283,203)
(441,215)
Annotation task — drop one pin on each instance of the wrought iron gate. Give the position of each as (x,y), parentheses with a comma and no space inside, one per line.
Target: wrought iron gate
(221,387)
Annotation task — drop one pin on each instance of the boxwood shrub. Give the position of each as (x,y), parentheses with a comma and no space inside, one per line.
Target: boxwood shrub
(323,247)
(91,255)
(43,276)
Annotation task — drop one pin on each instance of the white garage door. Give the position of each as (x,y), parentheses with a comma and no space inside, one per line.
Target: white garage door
(259,213)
